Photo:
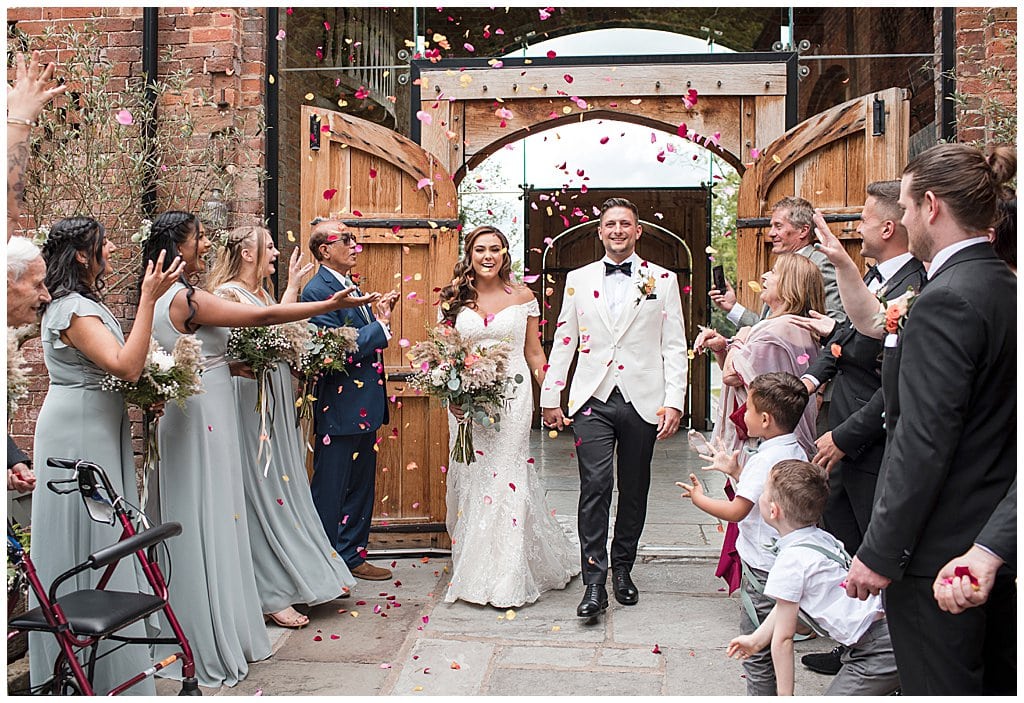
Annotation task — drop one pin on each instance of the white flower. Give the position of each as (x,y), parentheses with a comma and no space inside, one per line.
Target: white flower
(163,360)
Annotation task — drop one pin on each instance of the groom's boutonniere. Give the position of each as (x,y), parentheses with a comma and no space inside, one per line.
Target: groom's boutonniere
(645,284)
(894,317)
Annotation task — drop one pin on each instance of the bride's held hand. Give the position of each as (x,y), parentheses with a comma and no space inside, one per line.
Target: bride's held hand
(457,411)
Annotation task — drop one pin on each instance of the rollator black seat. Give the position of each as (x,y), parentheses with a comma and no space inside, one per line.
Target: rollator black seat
(94,613)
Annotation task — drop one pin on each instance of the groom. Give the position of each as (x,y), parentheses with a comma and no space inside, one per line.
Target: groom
(625,317)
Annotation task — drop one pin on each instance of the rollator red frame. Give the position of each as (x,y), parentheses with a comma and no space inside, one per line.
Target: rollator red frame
(83,619)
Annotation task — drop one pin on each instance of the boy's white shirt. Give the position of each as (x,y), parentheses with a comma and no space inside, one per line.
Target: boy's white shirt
(808,577)
(755,533)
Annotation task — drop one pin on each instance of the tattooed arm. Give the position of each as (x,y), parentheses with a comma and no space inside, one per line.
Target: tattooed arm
(25,101)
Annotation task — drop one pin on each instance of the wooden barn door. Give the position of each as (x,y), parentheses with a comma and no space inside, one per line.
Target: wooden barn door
(402,206)
(828,160)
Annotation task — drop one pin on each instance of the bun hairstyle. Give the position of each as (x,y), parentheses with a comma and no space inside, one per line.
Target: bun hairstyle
(969,182)
(65,274)
(229,261)
(167,233)
(461,292)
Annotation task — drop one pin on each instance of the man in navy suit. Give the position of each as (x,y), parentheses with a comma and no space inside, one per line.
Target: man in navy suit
(349,407)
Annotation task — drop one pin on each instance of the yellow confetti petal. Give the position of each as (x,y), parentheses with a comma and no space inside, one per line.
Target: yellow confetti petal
(553,433)
(711,250)
(776,159)
(754,286)
(556,628)
(271,79)
(291,236)
(309,96)
(690,355)
(285,478)
(570,291)
(510,615)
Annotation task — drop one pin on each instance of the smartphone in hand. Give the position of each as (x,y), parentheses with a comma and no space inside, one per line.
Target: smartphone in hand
(718,278)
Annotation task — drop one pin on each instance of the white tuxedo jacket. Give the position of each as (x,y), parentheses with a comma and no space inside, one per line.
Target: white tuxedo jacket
(643,351)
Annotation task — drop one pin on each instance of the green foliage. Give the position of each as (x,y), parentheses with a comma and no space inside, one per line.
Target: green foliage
(723,235)
(93,155)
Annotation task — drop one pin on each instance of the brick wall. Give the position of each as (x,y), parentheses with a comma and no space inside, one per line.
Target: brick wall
(986,68)
(225,50)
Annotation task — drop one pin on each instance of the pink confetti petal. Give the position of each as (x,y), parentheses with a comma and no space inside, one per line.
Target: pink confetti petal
(802,359)
(422,183)
(487,500)
(424,117)
(327,440)
(124,117)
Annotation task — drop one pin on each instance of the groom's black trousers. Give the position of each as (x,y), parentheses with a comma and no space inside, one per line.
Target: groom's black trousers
(597,433)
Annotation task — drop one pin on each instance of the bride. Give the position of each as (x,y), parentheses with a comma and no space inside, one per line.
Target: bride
(507,547)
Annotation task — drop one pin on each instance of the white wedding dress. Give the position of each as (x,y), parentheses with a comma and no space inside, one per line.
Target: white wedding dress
(507,547)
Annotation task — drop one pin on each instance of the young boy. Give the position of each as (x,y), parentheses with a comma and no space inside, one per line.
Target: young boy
(809,577)
(775,403)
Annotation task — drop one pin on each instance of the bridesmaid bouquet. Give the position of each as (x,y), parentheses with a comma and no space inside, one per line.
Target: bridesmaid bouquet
(475,378)
(173,376)
(261,348)
(323,349)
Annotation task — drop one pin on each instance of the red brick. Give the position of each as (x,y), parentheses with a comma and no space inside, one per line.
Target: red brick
(24,13)
(221,64)
(199,19)
(124,39)
(213,34)
(117,25)
(117,54)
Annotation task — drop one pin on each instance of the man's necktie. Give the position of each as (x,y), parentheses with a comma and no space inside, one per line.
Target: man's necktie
(625,267)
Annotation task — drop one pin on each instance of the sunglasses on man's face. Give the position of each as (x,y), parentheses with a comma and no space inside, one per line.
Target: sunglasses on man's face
(347,239)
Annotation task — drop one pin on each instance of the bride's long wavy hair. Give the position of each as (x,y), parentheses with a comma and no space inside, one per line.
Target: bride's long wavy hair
(461,292)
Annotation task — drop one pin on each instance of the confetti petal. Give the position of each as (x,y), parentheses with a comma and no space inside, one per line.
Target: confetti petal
(802,359)
(424,117)
(330,193)
(124,117)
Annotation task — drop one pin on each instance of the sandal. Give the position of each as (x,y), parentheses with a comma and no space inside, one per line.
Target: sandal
(292,621)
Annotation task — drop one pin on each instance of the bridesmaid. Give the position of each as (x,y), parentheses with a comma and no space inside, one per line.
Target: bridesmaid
(82,342)
(200,481)
(294,561)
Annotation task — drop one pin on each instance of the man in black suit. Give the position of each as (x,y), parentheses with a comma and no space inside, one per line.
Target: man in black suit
(951,454)
(852,449)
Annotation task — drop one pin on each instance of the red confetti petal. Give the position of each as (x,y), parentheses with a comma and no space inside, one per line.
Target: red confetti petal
(552,54)
(568,78)
(330,193)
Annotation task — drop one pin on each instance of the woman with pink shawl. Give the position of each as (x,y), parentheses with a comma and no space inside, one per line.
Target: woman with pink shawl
(793,286)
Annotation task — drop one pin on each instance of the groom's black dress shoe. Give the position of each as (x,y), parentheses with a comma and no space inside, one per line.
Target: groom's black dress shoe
(624,588)
(595,600)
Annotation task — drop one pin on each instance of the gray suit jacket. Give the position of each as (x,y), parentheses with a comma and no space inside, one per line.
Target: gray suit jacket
(833,304)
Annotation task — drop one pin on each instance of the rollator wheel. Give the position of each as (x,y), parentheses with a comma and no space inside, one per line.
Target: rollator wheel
(64,682)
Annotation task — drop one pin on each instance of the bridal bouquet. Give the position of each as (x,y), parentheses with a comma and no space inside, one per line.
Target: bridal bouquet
(324,349)
(173,376)
(474,378)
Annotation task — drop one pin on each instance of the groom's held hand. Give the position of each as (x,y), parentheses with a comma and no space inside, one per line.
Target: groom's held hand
(555,420)
(668,422)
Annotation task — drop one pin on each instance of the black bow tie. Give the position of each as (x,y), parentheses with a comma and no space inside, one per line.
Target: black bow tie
(873,274)
(625,267)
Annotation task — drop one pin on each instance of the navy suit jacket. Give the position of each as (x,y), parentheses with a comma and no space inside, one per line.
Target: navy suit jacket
(355,403)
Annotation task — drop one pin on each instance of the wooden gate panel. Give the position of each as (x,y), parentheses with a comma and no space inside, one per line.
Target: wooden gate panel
(390,212)
(828,159)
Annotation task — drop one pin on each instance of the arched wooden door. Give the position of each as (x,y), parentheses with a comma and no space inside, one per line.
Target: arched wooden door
(402,205)
(829,160)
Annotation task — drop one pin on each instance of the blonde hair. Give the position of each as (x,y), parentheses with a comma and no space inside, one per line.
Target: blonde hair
(229,263)
(799,285)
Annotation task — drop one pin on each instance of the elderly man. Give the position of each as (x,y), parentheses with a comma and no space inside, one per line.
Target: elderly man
(791,233)
(26,293)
